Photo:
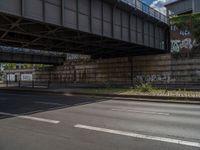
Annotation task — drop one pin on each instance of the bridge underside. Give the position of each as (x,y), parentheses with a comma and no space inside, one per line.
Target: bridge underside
(30,58)
(24,32)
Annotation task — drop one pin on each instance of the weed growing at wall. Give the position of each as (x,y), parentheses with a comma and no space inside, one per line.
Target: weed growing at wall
(144,87)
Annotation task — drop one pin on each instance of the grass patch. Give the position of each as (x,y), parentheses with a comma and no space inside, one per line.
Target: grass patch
(145,89)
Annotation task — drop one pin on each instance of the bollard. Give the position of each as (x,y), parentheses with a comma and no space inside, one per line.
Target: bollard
(48,84)
(32,83)
(19,84)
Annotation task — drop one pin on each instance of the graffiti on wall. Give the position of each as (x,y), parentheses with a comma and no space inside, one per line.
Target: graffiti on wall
(187,43)
(163,77)
(182,40)
(185,32)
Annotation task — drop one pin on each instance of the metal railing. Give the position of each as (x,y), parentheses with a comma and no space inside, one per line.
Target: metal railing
(147,9)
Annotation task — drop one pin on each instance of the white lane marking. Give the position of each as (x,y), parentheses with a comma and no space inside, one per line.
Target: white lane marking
(143,112)
(48,103)
(30,118)
(140,136)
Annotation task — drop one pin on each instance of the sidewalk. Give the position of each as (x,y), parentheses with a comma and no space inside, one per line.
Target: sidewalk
(78,92)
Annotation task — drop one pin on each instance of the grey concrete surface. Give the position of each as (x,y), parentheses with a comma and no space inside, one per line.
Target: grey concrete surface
(78,92)
(174,121)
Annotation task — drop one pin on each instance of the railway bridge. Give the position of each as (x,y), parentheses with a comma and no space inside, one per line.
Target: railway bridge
(100,28)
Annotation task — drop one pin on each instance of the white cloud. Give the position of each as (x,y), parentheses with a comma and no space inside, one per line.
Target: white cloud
(159,5)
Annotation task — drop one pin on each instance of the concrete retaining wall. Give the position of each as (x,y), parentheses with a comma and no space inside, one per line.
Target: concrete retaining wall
(157,69)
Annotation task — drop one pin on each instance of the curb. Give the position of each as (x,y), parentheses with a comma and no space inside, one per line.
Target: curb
(143,98)
(139,96)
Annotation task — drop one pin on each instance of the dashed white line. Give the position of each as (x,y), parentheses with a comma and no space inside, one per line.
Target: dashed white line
(140,136)
(30,118)
(143,112)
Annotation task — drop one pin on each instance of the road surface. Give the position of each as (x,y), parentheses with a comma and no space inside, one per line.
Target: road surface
(52,122)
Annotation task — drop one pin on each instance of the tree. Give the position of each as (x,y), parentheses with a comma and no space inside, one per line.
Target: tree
(190,22)
(1,75)
(10,66)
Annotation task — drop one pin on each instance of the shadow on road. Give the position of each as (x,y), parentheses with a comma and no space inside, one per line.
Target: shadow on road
(31,103)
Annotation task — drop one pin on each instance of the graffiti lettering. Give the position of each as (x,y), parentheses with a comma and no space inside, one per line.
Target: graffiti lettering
(195,44)
(185,32)
(187,43)
(154,77)
(175,45)
(181,32)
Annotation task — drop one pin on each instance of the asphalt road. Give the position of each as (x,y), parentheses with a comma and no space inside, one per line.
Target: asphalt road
(50,122)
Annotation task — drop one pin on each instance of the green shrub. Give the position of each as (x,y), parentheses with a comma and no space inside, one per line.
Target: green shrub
(144,87)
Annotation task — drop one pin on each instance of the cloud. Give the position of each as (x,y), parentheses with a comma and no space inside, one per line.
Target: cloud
(159,5)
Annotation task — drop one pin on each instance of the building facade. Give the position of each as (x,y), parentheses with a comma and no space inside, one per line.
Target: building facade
(180,7)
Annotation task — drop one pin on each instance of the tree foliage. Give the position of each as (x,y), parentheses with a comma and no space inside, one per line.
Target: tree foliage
(8,66)
(1,75)
(188,21)
(11,66)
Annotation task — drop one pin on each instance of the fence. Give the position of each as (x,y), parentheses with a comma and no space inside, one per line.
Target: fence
(25,84)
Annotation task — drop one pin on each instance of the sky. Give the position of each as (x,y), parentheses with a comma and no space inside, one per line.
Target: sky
(148,1)
(158,4)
